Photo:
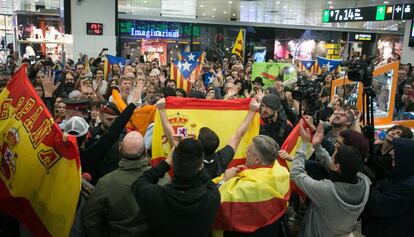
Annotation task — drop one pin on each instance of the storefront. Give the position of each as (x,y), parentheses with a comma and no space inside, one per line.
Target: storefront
(41,34)
(149,39)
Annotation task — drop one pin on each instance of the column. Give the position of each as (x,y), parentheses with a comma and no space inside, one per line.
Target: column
(407,52)
(86,11)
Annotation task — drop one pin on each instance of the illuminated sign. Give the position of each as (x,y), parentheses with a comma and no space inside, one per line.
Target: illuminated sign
(94,29)
(374,13)
(361,37)
(155,33)
(138,28)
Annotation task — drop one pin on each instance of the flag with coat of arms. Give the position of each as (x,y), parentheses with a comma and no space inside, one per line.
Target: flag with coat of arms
(186,68)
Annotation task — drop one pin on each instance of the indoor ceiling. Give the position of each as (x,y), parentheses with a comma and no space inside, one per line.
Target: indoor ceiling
(282,12)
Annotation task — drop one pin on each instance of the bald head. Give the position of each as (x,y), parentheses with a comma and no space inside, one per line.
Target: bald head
(133,145)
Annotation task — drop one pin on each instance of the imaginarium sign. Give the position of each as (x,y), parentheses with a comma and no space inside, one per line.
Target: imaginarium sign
(155,33)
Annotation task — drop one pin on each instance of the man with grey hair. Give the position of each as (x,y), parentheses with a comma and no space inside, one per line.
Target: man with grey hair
(260,174)
(111,210)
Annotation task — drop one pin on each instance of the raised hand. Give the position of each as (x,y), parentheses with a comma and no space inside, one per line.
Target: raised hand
(254,105)
(304,133)
(284,155)
(48,84)
(161,103)
(318,136)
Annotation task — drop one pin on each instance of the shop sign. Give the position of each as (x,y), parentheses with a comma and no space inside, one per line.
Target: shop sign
(360,37)
(155,33)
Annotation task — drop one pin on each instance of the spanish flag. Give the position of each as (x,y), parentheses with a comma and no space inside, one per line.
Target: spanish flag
(188,115)
(238,47)
(40,177)
(291,145)
(255,198)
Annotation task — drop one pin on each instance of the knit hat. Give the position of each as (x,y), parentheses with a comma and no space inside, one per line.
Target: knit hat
(357,140)
(76,126)
(273,102)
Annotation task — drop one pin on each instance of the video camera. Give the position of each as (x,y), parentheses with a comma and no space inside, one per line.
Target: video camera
(360,71)
(309,92)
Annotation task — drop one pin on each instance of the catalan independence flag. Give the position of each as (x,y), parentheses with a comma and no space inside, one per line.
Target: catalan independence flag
(186,69)
(316,67)
(40,177)
(188,115)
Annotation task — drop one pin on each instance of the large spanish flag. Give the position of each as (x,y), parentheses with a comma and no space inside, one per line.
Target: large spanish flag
(188,115)
(40,174)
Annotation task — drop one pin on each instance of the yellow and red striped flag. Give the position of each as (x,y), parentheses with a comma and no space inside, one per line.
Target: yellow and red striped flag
(238,47)
(107,68)
(40,177)
(255,198)
(188,115)
(292,143)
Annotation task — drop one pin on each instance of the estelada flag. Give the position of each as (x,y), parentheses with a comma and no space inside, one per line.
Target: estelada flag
(185,73)
(238,47)
(40,177)
(188,115)
(291,145)
(140,119)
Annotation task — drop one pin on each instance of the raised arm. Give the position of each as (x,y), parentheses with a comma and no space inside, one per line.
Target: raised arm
(168,129)
(236,138)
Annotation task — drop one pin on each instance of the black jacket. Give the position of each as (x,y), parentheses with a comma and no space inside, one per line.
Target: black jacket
(390,206)
(96,155)
(186,207)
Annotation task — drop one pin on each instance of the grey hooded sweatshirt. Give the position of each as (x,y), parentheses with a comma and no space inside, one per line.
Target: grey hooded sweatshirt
(335,206)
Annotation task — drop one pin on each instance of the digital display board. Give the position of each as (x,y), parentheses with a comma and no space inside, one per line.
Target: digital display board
(94,29)
(374,13)
(411,39)
(367,37)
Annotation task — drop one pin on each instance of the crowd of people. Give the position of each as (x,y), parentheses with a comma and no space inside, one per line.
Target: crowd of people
(341,183)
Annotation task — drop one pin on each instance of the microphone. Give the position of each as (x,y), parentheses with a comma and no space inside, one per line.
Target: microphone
(87,177)
(290,81)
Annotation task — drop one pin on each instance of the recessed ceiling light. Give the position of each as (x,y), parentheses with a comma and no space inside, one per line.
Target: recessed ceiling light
(145,1)
(329,2)
(241,6)
(277,2)
(213,16)
(234,14)
(128,5)
(331,7)
(251,10)
(203,14)
(386,2)
(230,2)
(225,12)
(214,9)
(284,6)
(201,5)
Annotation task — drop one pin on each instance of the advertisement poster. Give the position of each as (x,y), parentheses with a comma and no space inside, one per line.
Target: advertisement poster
(259,54)
(272,71)
(152,50)
(388,49)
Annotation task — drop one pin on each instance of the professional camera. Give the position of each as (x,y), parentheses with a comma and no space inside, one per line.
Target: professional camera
(361,71)
(307,90)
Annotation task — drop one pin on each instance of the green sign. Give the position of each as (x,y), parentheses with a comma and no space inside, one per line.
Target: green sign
(380,16)
(325,17)
(271,71)
(126,26)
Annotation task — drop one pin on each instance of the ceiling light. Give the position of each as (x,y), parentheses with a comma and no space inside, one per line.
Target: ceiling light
(203,14)
(329,2)
(214,9)
(234,14)
(241,6)
(145,1)
(386,2)
(277,2)
(128,5)
(230,2)
(225,12)
(201,5)
(213,16)
(331,7)
(284,6)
